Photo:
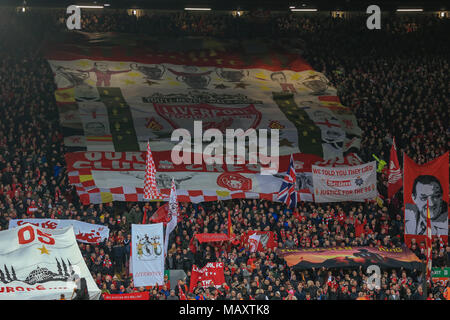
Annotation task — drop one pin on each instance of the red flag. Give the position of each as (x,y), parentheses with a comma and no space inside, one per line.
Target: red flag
(395,173)
(260,240)
(144,219)
(151,191)
(192,246)
(230,227)
(181,293)
(161,215)
(210,275)
(429,243)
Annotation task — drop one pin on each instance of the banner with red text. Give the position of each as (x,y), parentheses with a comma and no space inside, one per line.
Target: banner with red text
(356,183)
(41,264)
(84,232)
(210,275)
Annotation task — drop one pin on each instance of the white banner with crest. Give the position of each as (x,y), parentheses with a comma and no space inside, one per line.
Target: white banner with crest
(147,254)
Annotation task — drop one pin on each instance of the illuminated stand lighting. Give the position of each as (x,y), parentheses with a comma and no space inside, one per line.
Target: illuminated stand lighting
(237,13)
(409,10)
(135,12)
(302,10)
(90,7)
(197,9)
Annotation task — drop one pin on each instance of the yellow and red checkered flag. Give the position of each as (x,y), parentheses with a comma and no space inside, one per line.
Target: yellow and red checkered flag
(151,191)
(429,242)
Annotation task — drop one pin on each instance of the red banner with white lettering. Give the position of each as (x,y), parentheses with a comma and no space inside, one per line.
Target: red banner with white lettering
(211,237)
(210,275)
(127,296)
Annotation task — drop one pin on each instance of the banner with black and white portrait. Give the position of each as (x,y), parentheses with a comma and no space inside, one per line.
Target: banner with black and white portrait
(422,183)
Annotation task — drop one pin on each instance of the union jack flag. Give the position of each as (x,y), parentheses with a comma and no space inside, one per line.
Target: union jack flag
(288,193)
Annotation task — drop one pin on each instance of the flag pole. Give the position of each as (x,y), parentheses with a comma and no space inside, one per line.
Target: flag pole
(429,247)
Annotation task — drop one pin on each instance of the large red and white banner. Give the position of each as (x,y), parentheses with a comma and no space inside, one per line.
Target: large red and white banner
(114,99)
(84,232)
(41,264)
(422,183)
(119,176)
(356,183)
(210,275)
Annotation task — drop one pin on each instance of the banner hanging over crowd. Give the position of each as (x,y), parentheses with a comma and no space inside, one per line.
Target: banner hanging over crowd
(210,275)
(430,182)
(211,237)
(345,257)
(356,183)
(148,254)
(41,264)
(84,232)
(145,295)
(116,94)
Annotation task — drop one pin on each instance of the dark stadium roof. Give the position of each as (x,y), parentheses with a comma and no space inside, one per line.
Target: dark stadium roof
(358,5)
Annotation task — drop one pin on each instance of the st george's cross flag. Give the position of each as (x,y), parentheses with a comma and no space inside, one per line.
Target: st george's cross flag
(151,191)
(395,173)
(288,193)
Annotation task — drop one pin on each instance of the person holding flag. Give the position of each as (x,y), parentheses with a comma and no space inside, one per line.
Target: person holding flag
(288,193)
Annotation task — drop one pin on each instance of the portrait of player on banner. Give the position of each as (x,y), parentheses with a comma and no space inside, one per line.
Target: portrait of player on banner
(426,187)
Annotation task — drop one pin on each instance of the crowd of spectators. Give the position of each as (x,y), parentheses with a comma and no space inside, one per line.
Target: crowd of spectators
(396,80)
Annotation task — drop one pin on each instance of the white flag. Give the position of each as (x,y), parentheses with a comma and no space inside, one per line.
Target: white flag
(147,257)
(173,212)
(41,264)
